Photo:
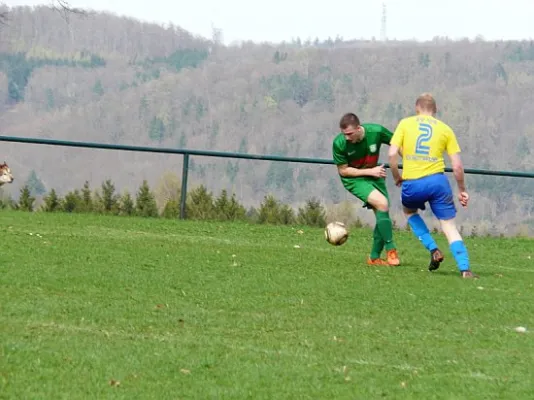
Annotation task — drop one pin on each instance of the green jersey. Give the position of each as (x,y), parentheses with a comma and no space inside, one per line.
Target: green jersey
(363,154)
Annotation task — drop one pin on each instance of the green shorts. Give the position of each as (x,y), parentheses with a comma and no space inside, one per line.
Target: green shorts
(362,188)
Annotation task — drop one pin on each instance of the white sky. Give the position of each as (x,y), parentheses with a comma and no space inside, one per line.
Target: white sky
(278,20)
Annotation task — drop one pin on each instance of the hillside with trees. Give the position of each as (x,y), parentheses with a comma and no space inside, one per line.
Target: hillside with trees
(110,79)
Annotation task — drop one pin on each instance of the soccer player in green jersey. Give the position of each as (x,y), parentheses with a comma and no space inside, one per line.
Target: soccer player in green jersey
(356,150)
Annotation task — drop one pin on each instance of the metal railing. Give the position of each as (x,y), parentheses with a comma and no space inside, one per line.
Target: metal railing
(187,153)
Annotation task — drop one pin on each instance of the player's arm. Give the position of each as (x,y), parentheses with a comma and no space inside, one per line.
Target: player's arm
(385,137)
(395,149)
(453,150)
(346,171)
(394,163)
(458,171)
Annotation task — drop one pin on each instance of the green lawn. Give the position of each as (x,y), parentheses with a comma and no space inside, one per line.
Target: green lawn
(112,307)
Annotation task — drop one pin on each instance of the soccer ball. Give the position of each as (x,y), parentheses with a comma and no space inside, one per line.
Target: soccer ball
(336,233)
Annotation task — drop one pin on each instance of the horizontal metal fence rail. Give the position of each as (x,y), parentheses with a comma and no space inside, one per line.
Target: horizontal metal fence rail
(188,152)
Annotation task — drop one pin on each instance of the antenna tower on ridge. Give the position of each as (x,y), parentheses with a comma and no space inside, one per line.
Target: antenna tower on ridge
(383,36)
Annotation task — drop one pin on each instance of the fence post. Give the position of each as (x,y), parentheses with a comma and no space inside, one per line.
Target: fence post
(183,196)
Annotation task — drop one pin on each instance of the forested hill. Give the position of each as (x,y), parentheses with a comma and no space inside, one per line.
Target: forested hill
(105,78)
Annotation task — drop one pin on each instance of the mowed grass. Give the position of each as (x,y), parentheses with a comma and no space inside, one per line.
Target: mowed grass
(131,308)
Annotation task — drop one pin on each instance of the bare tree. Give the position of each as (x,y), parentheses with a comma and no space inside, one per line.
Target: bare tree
(62,6)
(65,9)
(3,14)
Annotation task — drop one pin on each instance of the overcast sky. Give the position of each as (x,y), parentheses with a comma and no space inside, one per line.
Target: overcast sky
(278,20)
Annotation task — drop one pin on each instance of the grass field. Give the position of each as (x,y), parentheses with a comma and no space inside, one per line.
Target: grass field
(129,308)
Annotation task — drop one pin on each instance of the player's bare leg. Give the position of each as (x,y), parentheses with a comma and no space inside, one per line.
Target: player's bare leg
(457,247)
(380,204)
(420,230)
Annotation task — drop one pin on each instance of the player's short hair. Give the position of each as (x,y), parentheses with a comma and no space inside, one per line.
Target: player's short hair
(349,119)
(427,102)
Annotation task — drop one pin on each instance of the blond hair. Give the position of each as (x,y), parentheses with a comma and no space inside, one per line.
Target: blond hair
(426,102)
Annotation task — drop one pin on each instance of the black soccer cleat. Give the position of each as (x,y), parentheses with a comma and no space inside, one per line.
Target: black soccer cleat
(436,258)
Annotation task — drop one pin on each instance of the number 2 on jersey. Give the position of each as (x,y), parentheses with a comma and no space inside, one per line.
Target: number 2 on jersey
(424,137)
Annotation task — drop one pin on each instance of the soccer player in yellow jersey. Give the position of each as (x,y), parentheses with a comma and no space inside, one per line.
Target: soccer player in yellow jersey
(422,139)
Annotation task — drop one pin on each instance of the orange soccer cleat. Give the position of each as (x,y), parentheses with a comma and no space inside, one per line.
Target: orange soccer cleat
(377,262)
(393,258)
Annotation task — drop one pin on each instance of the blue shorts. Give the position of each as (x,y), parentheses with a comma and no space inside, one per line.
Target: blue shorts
(434,189)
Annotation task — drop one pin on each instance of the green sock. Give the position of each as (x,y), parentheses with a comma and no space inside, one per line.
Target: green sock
(385,227)
(378,244)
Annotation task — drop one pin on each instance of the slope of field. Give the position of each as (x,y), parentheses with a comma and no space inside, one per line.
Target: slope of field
(117,307)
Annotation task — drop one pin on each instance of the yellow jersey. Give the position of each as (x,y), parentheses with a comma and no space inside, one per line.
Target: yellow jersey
(423,140)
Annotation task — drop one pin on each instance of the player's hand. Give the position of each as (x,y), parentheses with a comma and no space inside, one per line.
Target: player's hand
(464,199)
(378,172)
(398,182)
